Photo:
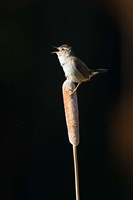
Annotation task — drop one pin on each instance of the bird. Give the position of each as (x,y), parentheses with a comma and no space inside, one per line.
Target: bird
(75,70)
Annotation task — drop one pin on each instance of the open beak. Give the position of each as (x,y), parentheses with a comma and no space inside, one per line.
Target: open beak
(54,51)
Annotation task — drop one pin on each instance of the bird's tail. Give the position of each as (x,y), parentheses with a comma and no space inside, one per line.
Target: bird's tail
(97,71)
(100,70)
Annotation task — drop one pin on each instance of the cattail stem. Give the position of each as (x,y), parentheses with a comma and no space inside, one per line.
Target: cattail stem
(75,158)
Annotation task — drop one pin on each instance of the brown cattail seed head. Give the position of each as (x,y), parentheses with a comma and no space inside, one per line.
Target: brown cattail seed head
(71,112)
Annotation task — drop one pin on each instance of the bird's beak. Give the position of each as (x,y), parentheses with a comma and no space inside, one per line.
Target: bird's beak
(55,51)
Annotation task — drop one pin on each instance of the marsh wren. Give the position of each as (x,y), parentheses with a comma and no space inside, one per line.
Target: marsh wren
(75,70)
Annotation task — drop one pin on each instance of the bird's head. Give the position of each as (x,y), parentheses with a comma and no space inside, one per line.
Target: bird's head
(64,50)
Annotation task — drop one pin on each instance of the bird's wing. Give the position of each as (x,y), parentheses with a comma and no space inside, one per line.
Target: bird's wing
(82,68)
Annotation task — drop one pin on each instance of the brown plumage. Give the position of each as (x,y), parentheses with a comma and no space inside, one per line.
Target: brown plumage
(75,70)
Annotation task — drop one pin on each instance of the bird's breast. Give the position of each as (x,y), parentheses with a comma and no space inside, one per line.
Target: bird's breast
(71,71)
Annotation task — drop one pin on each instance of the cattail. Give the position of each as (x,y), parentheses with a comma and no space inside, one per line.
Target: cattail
(72,121)
(71,112)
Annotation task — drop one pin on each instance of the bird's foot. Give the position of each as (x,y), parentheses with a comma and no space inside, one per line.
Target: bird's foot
(75,89)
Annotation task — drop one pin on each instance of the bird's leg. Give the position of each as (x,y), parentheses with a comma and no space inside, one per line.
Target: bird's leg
(75,89)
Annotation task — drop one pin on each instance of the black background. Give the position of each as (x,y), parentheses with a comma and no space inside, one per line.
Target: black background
(37,157)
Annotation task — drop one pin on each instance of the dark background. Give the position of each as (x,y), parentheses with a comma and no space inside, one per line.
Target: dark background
(37,160)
